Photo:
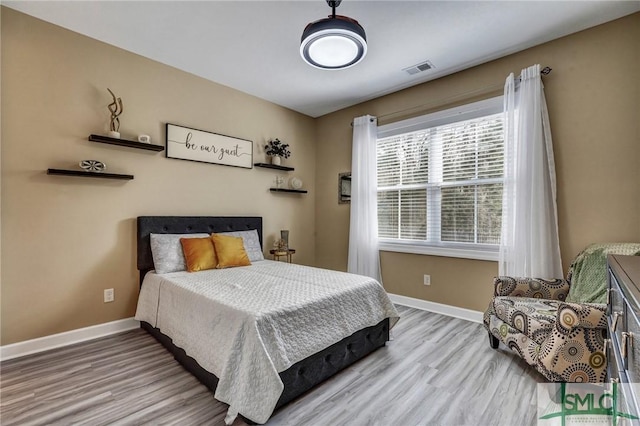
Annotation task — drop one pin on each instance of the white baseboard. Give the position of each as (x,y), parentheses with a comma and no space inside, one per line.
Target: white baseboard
(438,308)
(41,344)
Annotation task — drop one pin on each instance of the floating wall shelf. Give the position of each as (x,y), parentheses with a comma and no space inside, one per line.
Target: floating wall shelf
(273,166)
(125,142)
(297,191)
(80,173)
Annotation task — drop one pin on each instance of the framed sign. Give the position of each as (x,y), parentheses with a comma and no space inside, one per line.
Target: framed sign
(185,143)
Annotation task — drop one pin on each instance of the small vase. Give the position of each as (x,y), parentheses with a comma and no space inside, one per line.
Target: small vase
(114,134)
(275,160)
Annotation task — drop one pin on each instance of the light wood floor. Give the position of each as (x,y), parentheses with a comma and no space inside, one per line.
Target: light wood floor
(437,371)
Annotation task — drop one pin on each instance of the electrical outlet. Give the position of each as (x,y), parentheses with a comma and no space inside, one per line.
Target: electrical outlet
(109,295)
(427,280)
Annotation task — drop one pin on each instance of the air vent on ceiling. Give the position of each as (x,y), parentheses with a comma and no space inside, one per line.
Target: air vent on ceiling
(415,69)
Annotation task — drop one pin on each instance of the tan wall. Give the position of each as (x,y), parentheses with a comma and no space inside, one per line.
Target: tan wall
(65,239)
(593,97)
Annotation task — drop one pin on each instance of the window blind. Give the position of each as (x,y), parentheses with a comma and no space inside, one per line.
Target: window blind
(443,184)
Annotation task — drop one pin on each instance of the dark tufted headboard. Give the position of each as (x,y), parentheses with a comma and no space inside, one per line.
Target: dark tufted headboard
(186,225)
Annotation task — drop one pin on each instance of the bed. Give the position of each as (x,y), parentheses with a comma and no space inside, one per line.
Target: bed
(300,375)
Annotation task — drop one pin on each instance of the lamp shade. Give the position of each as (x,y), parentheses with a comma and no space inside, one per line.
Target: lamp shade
(336,42)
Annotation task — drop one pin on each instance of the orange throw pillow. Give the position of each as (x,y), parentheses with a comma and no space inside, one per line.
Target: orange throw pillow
(199,254)
(230,251)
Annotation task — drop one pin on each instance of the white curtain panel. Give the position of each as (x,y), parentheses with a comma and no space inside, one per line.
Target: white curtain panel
(530,245)
(364,258)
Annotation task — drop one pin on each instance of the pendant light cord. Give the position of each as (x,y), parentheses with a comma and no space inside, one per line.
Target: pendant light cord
(333,5)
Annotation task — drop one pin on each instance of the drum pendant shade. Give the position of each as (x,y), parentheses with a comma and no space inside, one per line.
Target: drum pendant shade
(336,42)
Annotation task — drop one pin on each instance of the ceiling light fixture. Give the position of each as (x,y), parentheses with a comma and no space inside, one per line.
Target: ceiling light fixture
(333,43)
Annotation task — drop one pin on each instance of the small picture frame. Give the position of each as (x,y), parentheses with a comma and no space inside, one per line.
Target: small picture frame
(344,188)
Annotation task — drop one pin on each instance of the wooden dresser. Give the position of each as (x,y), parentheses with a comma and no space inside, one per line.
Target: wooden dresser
(623,345)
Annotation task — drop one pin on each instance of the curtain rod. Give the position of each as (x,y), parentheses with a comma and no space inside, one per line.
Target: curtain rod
(459,96)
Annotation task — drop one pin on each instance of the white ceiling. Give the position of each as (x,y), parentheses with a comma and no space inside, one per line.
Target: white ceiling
(253,46)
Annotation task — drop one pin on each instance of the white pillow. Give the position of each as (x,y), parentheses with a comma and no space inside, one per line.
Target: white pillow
(167,252)
(251,243)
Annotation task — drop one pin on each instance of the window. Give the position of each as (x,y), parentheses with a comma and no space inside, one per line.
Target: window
(440,182)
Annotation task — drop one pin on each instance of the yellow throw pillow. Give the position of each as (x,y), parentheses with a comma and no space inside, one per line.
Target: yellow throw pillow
(230,251)
(199,253)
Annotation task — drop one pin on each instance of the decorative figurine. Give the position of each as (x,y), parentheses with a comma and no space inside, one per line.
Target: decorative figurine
(115,108)
(279,181)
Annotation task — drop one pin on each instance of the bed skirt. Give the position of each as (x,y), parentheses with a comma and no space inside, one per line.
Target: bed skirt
(303,375)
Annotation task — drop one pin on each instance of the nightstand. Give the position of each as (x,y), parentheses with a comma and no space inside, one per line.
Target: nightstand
(287,254)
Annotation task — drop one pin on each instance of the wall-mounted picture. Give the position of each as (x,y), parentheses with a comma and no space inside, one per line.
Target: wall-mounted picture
(185,143)
(344,188)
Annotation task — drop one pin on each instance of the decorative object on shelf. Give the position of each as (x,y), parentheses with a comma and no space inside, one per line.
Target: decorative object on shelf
(280,245)
(184,143)
(279,181)
(144,138)
(333,43)
(284,234)
(344,188)
(276,150)
(115,108)
(93,166)
(295,183)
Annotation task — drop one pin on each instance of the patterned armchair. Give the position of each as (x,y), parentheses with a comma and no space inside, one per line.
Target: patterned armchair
(558,326)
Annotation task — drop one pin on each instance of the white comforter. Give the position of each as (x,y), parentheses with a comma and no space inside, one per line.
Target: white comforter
(247,324)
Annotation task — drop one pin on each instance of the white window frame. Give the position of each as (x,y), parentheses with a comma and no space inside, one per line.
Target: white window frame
(461,250)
